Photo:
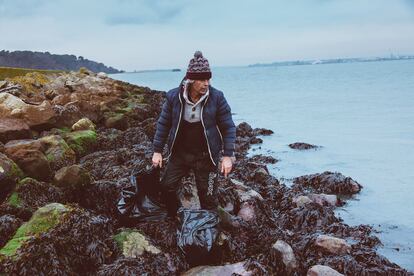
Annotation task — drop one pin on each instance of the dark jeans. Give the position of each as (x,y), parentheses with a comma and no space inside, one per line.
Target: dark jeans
(205,173)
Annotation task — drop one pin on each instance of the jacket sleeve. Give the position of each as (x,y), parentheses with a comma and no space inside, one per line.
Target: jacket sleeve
(163,127)
(226,126)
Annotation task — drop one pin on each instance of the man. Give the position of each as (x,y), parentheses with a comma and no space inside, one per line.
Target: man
(197,121)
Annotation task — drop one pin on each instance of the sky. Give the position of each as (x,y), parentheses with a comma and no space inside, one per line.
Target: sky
(156,34)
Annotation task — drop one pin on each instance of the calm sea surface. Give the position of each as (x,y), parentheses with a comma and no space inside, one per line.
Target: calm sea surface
(362,114)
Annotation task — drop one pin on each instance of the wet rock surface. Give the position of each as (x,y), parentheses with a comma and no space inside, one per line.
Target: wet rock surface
(329,183)
(302,146)
(267,228)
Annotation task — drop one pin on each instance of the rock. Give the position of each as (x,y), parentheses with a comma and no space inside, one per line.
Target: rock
(2,149)
(3,84)
(8,102)
(262,131)
(328,182)
(32,161)
(324,199)
(102,75)
(225,270)
(227,220)
(244,192)
(67,114)
(255,140)
(81,141)
(39,116)
(249,195)
(10,174)
(57,152)
(17,113)
(51,94)
(286,252)
(118,121)
(323,270)
(302,146)
(83,124)
(133,244)
(244,130)
(14,129)
(260,175)
(25,144)
(42,220)
(301,201)
(247,212)
(332,245)
(75,242)
(73,177)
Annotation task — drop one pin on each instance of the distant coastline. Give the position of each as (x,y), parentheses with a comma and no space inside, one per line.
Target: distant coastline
(48,61)
(155,70)
(330,61)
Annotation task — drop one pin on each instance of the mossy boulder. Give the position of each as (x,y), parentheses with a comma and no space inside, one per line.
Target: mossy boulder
(82,141)
(83,124)
(42,220)
(72,177)
(133,244)
(10,174)
(58,152)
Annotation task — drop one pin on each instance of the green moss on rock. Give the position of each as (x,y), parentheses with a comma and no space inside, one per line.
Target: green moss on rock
(14,200)
(15,171)
(42,220)
(11,247)
(58,152)
(134,244)
(121,237)
(81,141)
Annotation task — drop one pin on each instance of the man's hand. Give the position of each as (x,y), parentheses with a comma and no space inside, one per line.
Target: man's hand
(226,165)
(157,159)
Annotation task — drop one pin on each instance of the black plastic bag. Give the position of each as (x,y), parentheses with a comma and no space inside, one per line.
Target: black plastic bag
(142,200)
(197,236)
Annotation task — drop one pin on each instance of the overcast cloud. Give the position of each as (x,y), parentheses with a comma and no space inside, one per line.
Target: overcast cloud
(151,34)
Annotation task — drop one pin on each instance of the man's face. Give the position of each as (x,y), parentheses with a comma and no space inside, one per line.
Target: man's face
(200,86)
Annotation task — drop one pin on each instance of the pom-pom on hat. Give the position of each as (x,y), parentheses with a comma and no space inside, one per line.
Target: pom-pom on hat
(198,68)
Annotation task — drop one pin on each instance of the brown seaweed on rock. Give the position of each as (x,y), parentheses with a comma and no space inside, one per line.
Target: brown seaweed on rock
(78,245)
(8,225)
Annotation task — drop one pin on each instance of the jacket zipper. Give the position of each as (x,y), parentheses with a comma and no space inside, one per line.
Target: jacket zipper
(205,133)
(178,126)
(221,136)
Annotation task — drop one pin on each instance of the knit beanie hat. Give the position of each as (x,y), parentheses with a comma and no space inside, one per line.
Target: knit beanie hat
(198,68)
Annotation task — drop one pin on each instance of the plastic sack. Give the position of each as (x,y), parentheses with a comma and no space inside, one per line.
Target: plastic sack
(141,201)
(197,235)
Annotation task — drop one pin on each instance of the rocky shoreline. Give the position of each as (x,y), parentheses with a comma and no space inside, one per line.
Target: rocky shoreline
(69,143)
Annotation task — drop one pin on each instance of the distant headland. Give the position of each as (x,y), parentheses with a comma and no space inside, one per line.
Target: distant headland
(330,61)
(48,61)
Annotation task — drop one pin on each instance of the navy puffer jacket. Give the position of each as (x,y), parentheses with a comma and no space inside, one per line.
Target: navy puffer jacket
(216,117)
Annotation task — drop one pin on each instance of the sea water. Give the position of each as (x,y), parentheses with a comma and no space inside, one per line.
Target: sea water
(362,114)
